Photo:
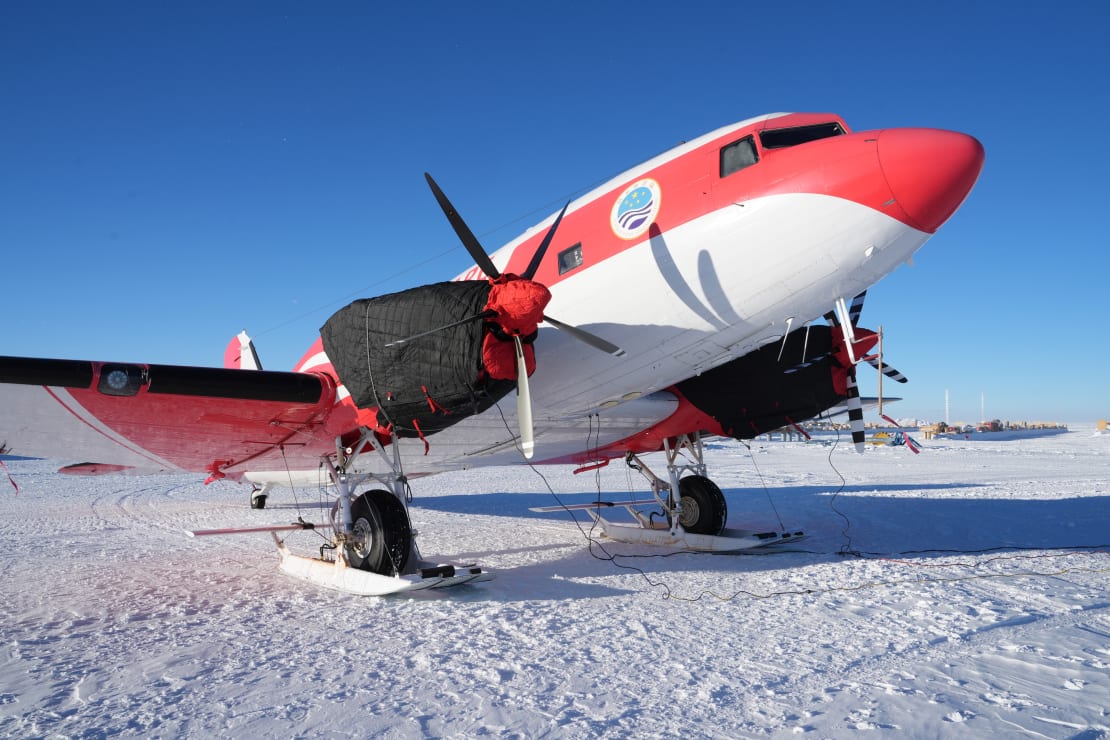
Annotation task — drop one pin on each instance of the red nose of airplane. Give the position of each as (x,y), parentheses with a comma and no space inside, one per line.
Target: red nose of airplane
(929,171)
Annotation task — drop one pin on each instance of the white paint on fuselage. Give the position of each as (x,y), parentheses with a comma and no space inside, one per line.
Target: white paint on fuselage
(710,291)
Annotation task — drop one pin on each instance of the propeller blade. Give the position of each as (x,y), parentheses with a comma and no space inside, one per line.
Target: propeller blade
(887,370)
(487,314)
(524,403)
(857,308)
(584,336)
(537,258)
(466,236)
(855,413)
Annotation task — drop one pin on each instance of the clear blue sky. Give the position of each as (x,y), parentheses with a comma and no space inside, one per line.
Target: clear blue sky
(172,173)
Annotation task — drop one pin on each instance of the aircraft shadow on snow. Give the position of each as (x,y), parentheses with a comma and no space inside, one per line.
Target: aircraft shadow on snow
(859,518)
(913,527)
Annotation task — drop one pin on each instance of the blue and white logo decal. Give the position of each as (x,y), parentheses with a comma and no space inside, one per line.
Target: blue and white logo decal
(635,209)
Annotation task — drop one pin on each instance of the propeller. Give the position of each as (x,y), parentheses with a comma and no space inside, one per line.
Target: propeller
(586,337)
(524,402)
(848,332)
(478,253)
(474,247)
(482,260)
(887,370)
(857,306)
(853,313)
(846,356)
(855,411)
(537,258)
(466,236)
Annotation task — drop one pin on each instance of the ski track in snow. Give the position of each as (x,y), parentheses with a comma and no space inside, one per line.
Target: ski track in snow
(112,621)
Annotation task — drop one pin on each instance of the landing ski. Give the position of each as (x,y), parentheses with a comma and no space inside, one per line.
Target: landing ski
(339,576)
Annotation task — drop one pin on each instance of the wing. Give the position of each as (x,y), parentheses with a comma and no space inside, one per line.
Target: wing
(163,417)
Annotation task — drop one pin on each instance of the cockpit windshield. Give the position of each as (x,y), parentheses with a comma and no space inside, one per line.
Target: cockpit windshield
(784,137)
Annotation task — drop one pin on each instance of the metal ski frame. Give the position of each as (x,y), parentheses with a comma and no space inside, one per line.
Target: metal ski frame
(345,488)
(339,574)
(684,454)
(672,449)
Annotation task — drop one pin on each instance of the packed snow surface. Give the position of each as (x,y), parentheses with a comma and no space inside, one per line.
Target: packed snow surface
(961,592)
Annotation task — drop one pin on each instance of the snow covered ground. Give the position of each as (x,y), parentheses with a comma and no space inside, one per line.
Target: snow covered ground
(976,604)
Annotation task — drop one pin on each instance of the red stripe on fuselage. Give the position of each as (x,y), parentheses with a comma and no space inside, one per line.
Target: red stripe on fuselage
(849,166)
(101,430)
(686,419)
(691,187)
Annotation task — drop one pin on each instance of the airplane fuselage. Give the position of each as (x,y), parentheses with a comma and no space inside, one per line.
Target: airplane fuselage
(704,254)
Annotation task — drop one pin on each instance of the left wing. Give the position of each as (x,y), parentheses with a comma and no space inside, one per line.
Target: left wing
(120,416)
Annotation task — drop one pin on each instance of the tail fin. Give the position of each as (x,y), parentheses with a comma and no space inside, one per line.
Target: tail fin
(240,354)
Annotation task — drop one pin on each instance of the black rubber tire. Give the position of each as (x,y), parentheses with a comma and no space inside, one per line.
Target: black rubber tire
(704,510)
(382,531)
(258,500)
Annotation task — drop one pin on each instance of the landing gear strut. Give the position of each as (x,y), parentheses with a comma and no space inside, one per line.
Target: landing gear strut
(699,506)
(372,530)
(372,550)
(694,507)
(374,545)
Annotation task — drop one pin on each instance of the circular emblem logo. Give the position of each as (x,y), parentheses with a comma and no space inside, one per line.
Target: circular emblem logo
(635,209)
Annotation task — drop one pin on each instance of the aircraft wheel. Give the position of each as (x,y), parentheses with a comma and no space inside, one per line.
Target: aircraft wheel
(258,499)
(382,535)
(704,510)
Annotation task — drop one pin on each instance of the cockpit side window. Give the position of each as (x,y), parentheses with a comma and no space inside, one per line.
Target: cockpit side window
(783,137)
(738,155)
(570,258)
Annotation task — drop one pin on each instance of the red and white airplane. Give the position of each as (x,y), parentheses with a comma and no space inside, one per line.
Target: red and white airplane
(712,290)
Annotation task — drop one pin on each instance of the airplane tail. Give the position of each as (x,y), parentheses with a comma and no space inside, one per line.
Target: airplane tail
(240,353)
